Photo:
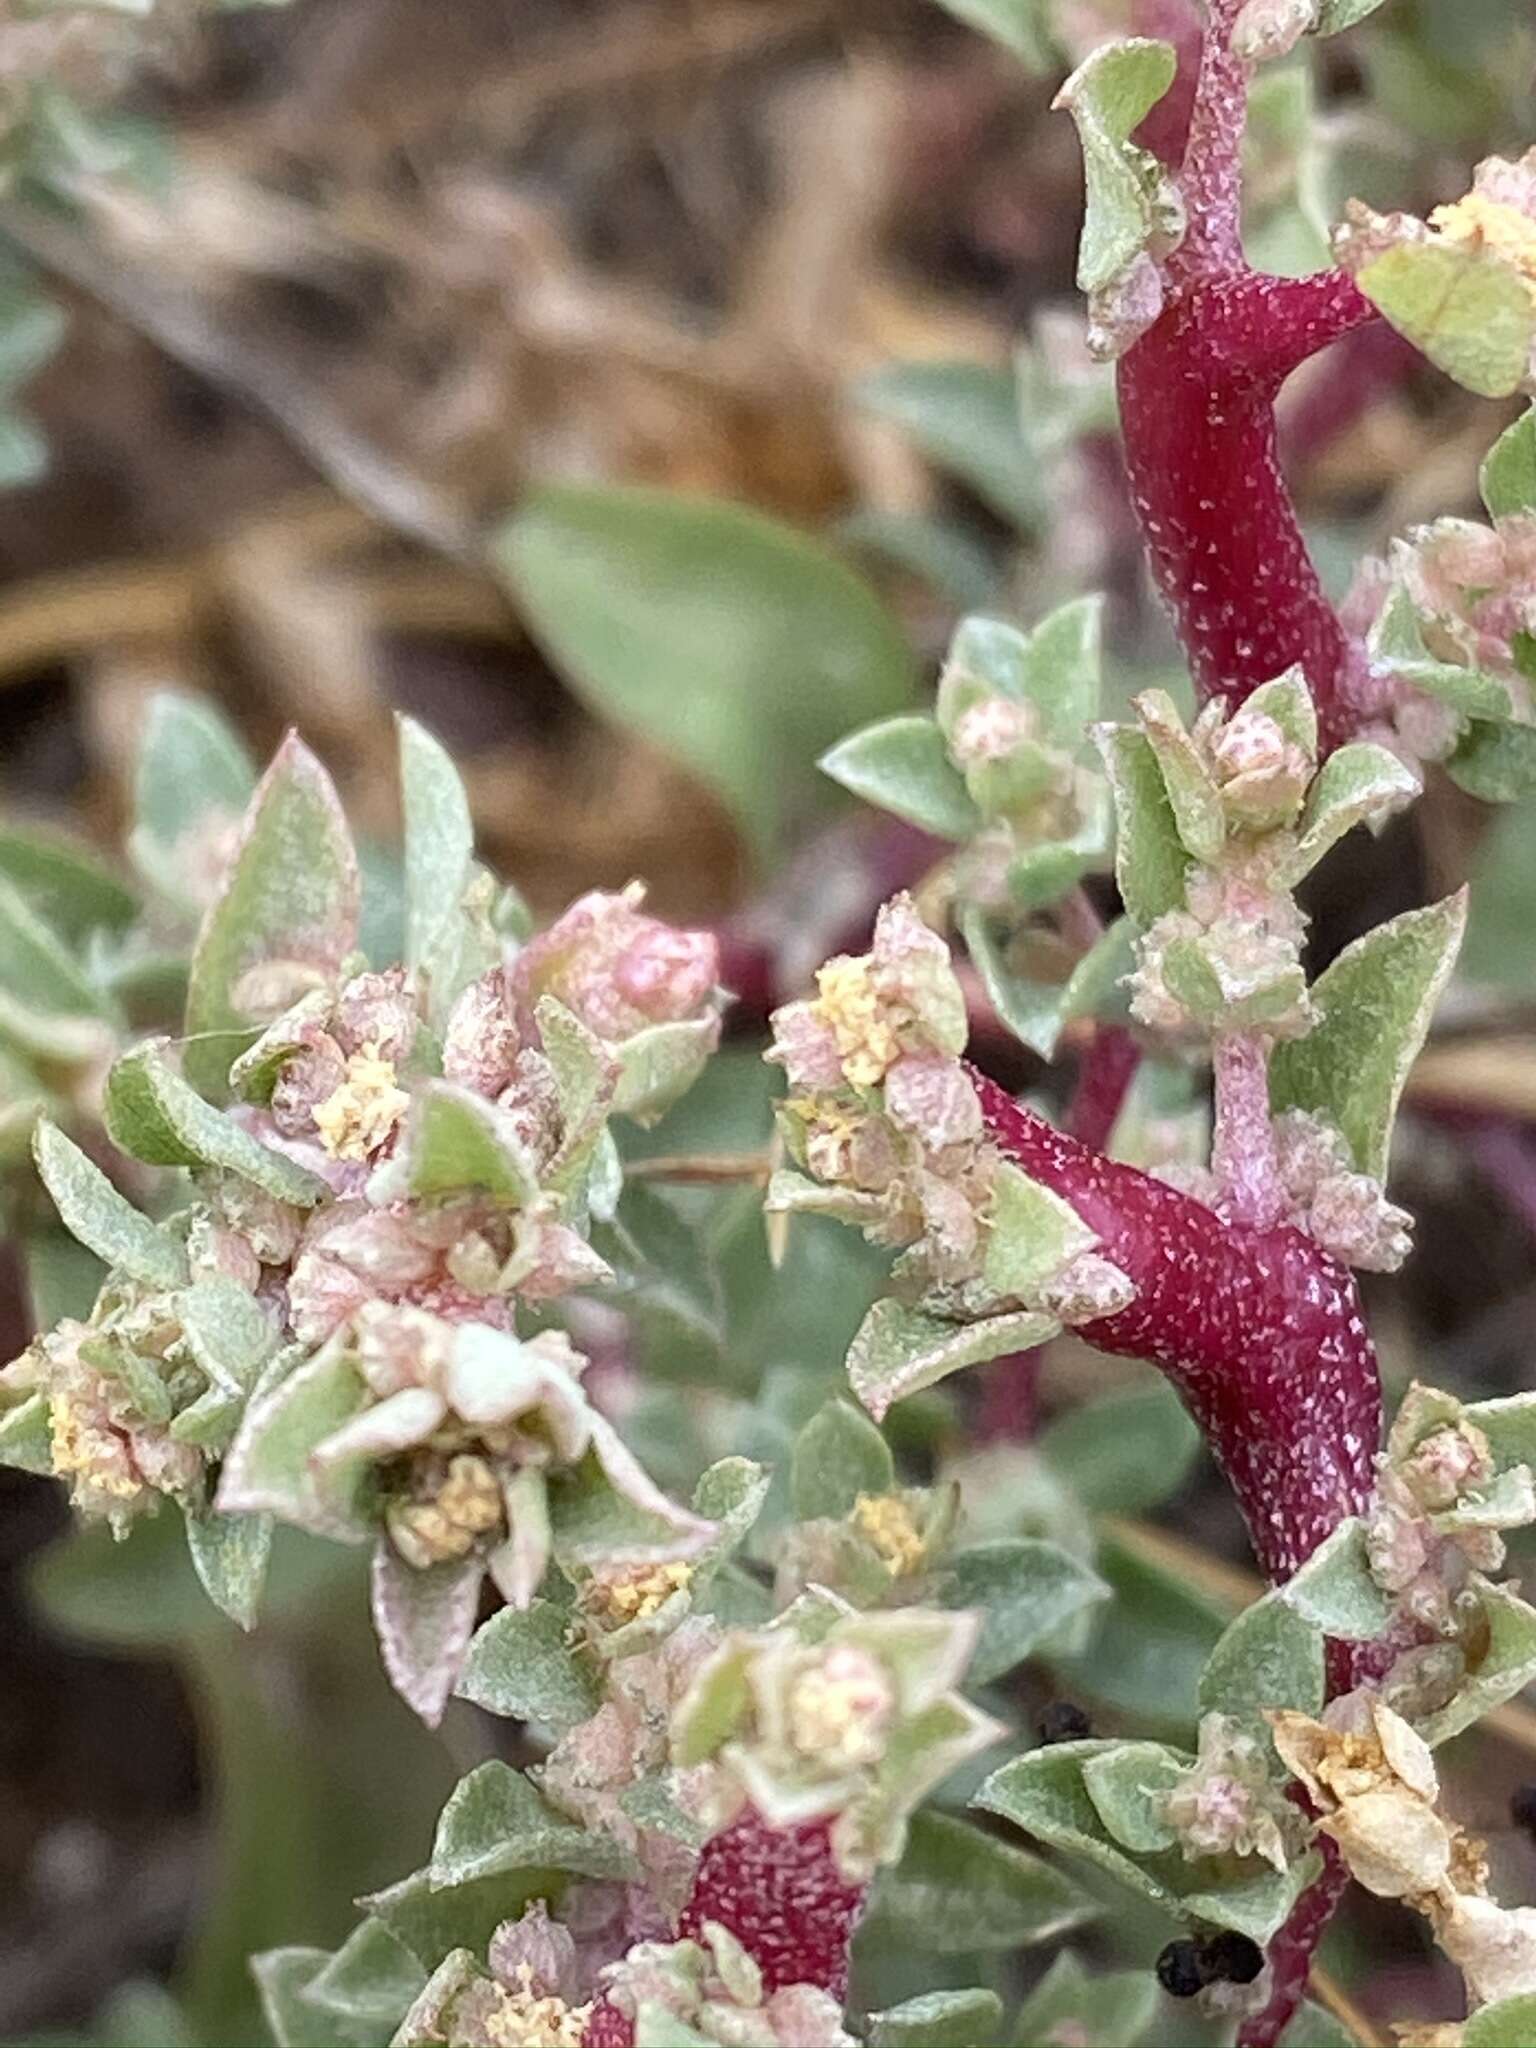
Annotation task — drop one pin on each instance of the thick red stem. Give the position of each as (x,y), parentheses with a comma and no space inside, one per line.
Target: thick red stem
(1259,1329)
(1197,405)
(1261,1333)
(780,1892)
(1106,1072)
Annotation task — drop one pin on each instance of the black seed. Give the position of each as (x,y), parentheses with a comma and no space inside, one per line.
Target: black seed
(1230,1959)
(1522,1807)
(1064,1721)
(1179,1971)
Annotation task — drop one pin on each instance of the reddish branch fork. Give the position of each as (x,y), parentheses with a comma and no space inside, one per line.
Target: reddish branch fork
(1197,405)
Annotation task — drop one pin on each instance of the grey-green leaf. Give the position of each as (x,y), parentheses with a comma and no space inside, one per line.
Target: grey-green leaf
(724,638)
(839,1455)
(102,1219)
(1150,860)
(439,856)
(898,1350)
(965,419)
(155,1116)
(903,766)
(520,1666)
(1376,1003)
(1126,1451)
(230,1554)
(938,2019)
(1025,1590)
(1508,476)
(1334,1590)
(1271,1656)
(289,906)
(959,1891)
(1129,197)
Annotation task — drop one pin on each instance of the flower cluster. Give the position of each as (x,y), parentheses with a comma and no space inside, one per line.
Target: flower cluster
(411,1161)
(1374,1782)
(1228,1803)
(525,1996)
(883,1113)
(1434,1536)
(713,1988)
(828,1714)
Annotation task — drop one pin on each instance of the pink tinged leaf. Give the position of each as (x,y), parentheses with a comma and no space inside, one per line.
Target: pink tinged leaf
(518,1565)
(391,1426)
(287,913)
(627,1476)
(424,1620)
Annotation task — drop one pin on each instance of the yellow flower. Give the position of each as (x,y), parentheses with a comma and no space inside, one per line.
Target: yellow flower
(887,1521)
(1503,228)
(637,1594)
(850,1005)
(357,1117)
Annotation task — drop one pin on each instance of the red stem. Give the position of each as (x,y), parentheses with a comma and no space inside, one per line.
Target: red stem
(1197,405)
(1259,1329)
(1261,1333)
(1107,1070)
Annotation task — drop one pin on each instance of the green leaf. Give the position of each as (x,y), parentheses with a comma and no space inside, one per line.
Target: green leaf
(1025,1590)
(1149,1645)
(1112,2010)
(1511,2023)
(1508,475)
(520,1666)
(192,768)
(903,766)
(228,1333)
(1358,784)
(1127,1784)
(1034,1234)
(1150,860)
(959,1891)
(439,858)
(1336,15)
(1037,1012)
(289,905)
(36,967)
(1271,1656)
(102,1219)
(1506,1667)
(1376,1003)
(723,637)
(1130,201)
(153,1115)
(898,1350)
(1496,761)
(429,1920)
(1019,25)
(965,418)
(1193,797)
(269,1470)
(1334,1590)
(370,1981)
(839,1455)
(230,1553)
(1464,305)
(495,1822)
(68,887)
(283,1975)
(26,1436)
(938,2019)
(457,1141)
(1044,1792)
(1125,1452)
